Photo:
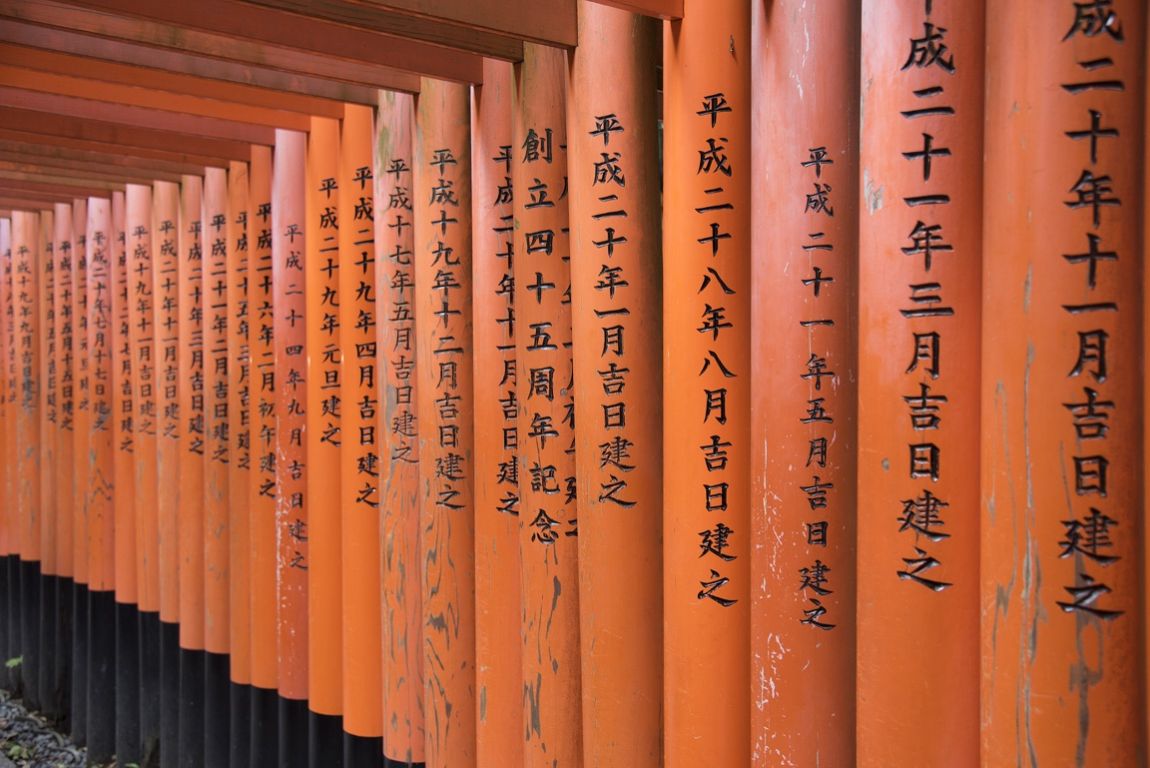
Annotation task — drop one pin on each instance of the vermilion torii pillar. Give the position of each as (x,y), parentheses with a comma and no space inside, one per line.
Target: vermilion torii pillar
(402,616)
(81,440)
(549,519)
(47,662)
(442,254)
(217,455)
(613,177)
(324,406)
(803,353)
(190,434)
(262,481)
(359,427)
(99,493)
(706,383)
(1063,385)
(239,466)
(289,248)
(142,342)
(919,284)
(9,636)
(498,648)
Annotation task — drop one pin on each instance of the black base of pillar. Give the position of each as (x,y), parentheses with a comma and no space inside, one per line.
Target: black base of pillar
(12,624)
(149,701)
(292,732)
(239,725)
(325,741)
(31,647)
(127,684)
(169,695)
(362,751)
(391,763)
(80,618)
(60,687)
(191,713)
(53,695)
(101,676)
(216,710)
(264,748)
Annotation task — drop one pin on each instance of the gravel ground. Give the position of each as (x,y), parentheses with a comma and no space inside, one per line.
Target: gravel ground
(26,739)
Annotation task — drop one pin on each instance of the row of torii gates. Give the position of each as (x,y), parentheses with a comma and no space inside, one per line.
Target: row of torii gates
(300,301)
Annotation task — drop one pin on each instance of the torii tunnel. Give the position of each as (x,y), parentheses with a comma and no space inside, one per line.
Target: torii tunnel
(562,383)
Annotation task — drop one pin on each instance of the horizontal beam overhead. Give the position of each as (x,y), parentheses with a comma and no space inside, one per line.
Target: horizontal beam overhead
(252,29)
(15,202)
(36,190)
(496,44)
(41,127)
(161,81)
(273,74)
(116,157)
(145,98)
(15,163)
(153,119)
(551,22)
(65,183)
(660,9)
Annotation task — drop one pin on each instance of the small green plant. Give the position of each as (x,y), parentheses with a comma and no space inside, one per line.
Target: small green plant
(14,662)
(18,752)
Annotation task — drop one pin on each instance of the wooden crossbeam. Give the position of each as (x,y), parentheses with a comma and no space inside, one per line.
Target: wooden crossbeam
(65,182)
(36,126)
(157,120)
(32,190)
(119,160)
(550,22)
(659,9)
(130,151)
(294,75)
(140,96)
(15,163)
(246,31)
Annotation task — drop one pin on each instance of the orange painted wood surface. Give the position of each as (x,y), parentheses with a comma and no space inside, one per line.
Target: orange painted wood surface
(216,416)
(240,415)
(166,243)
(402,614)
(359,427)
(46,345)
(616,248)
(498,648)
(1062,386)
(142,340)
(100,471)
(82,432)
(804,363)
(289,243)
(9,509)
(123,422)
(325,567)
(442,253)
(25,281)
(706,365)
(190,412)
(549,516)
(919,284)
(262,593)
(64,470)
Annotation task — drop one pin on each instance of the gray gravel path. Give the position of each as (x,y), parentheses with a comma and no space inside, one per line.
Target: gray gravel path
(27,741)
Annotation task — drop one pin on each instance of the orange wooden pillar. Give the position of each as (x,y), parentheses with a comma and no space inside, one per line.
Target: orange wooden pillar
(706,374)
(189,410)
(263,594)
(442,255)
(50,668)
(99,473)
(546,448)
(616,317)
(142,342)
(919,283)
(498,647)
(804,364)
(81,435)
(289,244)
(359,425)
(401,617)
(1063,386)
(64,384)
(125,572)
(240,479)
(324,406)
(25,281)
(9,631)
(169,241)
(217,454)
